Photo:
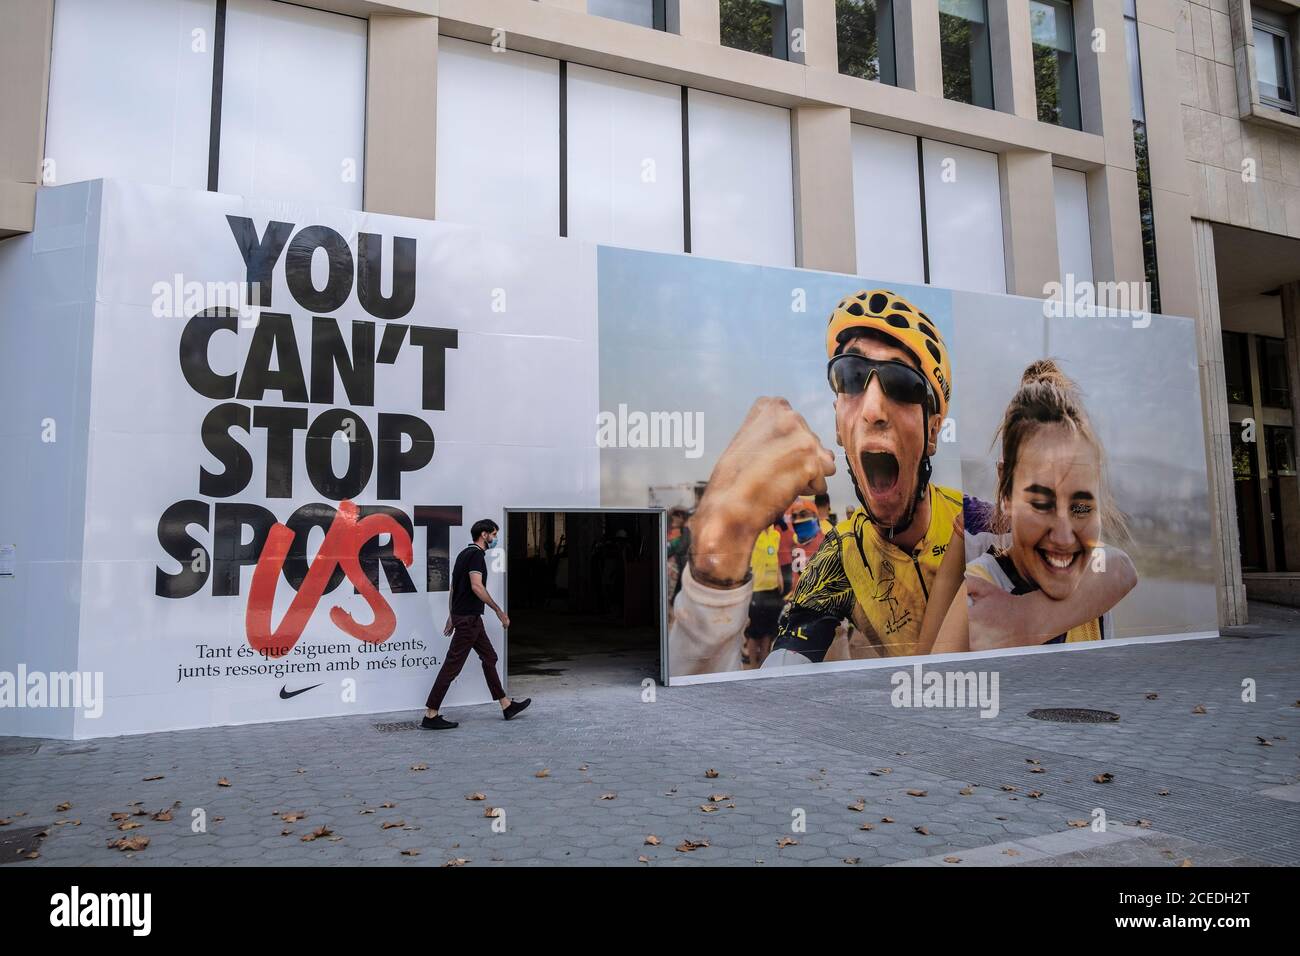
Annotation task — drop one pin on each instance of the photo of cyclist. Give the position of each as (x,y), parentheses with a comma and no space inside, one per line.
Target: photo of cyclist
(891,378)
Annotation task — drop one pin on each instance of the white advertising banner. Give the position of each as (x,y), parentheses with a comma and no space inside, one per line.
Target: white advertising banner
(297,414)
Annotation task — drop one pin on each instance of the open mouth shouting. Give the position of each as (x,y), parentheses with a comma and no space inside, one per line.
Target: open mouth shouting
(883,485)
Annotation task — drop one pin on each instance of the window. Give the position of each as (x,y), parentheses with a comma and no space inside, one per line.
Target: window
(1274,385)
(1279,451)
(1236,368)
(1273,65)
(963,215)
(864,31)
(1056,74)
(293,103)
(624,147)
(479,182)
(887,205)
(1146,205)
(758,26)
(1073,235)
(964,52)
(742,190)
(130,95)
(644,13)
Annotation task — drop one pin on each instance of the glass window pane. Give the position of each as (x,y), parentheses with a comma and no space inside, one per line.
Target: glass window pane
(887,205)
(1271,65)
(1134,71)
(1280,451)
(1056,74)
(964,214)
(964,52)
(742,191)
(865,34)
(1236,367)
(625,160)
(1073,235)
(644,13)
(480,183)
(277,139)
(758,26)
(1274,385)
(129,95)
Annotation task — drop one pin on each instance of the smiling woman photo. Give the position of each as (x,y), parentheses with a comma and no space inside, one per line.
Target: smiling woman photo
(1044,541)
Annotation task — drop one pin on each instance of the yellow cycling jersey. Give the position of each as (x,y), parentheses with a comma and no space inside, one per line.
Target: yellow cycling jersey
(765,563)
(858,575)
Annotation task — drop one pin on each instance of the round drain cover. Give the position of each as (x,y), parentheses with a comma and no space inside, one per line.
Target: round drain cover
(1074,715)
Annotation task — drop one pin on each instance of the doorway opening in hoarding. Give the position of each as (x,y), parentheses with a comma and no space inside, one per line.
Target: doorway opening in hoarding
(585,596)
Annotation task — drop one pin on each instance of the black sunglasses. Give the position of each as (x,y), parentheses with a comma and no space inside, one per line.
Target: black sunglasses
(850,373)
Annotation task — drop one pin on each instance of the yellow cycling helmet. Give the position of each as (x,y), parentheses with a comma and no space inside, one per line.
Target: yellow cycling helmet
(889,314)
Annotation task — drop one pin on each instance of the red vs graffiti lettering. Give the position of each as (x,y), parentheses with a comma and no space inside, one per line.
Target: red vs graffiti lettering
(262,406)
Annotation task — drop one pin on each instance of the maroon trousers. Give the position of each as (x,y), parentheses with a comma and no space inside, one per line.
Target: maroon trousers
(469,635)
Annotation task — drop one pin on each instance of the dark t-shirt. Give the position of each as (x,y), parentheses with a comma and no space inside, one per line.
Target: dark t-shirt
(463,599)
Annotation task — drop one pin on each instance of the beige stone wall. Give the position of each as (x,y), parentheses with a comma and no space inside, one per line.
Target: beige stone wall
(1219,140)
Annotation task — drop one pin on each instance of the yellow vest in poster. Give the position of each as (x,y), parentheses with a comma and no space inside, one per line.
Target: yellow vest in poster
(765,562)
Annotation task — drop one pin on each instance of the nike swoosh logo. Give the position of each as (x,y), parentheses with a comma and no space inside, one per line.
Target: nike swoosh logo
(285,693)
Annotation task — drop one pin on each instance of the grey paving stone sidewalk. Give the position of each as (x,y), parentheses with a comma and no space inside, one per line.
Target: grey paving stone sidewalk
(591,771)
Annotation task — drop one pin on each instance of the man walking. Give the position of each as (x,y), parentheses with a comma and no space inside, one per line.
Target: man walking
(469,595)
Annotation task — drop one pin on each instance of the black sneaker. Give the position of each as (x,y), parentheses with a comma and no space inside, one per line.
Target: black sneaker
(515,707)
(438,723)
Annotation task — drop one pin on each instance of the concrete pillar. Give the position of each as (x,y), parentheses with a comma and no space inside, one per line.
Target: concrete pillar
(1013,58)
(1218,438)
(1029,221)
(1115,221)
(916,29)
(816,18)
(695,20)
(25,43)
(402,116)
(823,188)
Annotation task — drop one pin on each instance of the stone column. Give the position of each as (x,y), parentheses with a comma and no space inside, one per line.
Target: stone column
(823,188)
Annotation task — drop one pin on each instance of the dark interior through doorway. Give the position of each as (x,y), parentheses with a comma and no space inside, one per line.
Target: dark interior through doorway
(583,597)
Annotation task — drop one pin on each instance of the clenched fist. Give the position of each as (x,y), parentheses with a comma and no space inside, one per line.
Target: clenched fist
(772,459)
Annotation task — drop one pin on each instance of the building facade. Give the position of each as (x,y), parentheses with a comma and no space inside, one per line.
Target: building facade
(1025,147)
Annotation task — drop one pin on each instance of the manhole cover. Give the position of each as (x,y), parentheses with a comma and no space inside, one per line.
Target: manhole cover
(396,726)
(1074,715)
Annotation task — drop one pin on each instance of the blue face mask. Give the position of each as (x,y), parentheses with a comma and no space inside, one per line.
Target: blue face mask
(805,530)
(491,543)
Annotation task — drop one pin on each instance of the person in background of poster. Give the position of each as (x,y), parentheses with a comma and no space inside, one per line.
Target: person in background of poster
(892,379)
(766,603)
(1043,538)
(678,548)
(469,595)
(800,540)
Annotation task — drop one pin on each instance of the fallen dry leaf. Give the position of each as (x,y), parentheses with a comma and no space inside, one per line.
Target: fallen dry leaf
(1009,789)
(916,793)
(711,773)
(1034,794)
(643,859)
(419,766)
(708,807)
(493,812)
(410,853)
(1152,696)
(476,796)
(689,846)
(609,796)
(952,859)
(1030,760)
(1264,742)
(287,831)
(63,807)
(719,797)
(787,841)
(129,843)
(867,826)
(128,825)
(366,810)
(162,816)
(293,816)
(1198,709)
(886,819)
(392,824)
(456,861)
(921,830)
(652,840)
(1162,793)
(223,782)
(1186,863)
(851,860)
(1077,823)
(1010,852)
(1103,778)
(1037,770)
(858,805)
(966,791)
(157,776)
(542,773)
(387,805)
(320,831)
(119,815)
